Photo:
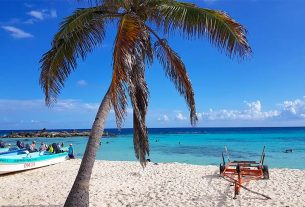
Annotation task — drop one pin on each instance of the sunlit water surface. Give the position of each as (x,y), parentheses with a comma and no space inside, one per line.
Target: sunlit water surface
(201,146)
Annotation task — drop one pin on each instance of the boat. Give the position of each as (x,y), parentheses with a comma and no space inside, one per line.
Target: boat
(26,161)
(8,149)
(13,151)
(4,149)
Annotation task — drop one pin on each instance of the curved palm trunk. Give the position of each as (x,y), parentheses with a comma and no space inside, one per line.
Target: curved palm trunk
(79,194)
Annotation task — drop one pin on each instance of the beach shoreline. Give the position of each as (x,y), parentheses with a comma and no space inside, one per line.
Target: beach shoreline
(125,183)
(51,134)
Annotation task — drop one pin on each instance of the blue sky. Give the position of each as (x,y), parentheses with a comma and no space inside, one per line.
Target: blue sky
(267,89)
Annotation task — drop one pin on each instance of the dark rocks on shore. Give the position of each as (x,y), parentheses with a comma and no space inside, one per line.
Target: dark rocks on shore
(50,134)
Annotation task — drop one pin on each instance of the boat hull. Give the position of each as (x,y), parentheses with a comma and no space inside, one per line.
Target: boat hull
(13,152)
(27,164)
(3,150)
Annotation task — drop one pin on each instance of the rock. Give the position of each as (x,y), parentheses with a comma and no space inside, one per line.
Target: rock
(44,133)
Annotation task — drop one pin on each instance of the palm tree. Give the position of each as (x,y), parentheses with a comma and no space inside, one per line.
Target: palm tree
(137,43)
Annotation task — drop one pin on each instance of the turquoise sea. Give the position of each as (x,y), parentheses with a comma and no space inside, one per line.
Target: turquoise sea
(201,146)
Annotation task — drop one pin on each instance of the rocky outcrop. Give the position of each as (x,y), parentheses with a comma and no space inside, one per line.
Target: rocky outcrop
(50,134)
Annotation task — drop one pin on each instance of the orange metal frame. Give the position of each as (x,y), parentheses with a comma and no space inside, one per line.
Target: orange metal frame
(240,172)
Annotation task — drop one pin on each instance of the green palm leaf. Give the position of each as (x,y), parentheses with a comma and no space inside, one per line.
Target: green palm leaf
(176,71)
(78,35)
(223,31)
(138,92)
(132,47)
(127,36)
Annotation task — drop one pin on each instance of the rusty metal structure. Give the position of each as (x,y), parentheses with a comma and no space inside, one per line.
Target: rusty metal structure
(241,172)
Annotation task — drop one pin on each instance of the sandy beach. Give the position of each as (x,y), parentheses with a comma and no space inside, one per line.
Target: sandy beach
(116,183)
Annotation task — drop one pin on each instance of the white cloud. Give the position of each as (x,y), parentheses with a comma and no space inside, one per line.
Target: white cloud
(180,117)
(29,21)
(34,114)
(199,116)
(293,109)
(82,83)
(72,113)
(287,110)
(16,32)
(163,118)
(255,106)
(40,15)
(36,14)
(252,112)
(92,106)
(67,105)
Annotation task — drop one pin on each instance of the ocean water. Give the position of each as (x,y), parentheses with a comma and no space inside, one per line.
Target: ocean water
(201,146)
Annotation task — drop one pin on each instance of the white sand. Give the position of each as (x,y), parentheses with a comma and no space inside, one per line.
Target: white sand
(171,184)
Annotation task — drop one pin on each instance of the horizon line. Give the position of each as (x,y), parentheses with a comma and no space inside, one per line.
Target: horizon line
(157,128)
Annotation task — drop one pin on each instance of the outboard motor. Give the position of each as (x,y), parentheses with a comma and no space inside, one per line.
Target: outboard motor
(2,144)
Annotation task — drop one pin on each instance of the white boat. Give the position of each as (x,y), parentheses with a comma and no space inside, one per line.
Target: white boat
(27,161)
(12,151)
(3,150)
(8,149)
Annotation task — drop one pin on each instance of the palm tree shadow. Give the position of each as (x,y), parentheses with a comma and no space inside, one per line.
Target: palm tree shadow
(222,195)
(215,175)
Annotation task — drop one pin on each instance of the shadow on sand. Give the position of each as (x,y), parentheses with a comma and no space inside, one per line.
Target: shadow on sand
(224,196)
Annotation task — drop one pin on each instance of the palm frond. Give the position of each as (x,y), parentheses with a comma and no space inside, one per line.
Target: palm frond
(103,2)
(115,4)
(128,33)
(222,31)
(77,36)
(176,71)
(138,92)
(132,50)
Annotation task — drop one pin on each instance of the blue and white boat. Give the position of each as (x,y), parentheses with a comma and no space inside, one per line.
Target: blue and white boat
(4,149)
(12,151)
(19,162)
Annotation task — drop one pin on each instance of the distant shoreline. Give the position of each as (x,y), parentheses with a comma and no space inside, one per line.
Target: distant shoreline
(129,131)
(129,128)
(51,134)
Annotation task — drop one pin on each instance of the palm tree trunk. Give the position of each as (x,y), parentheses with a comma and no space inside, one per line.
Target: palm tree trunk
(79,194)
